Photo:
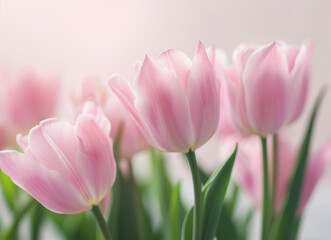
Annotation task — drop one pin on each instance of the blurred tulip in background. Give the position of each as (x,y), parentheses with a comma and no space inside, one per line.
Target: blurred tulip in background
(132,140)
(266,86)
(248,169)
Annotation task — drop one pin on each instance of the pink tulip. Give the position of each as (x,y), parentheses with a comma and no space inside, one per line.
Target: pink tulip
(175,101)
(6,137)
(132,140)
(267,86)
(226,126)
(248,170)
(67,167)
(27,99)
(90,89)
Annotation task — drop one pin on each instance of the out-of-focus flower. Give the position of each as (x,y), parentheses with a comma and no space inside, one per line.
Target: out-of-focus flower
(248,169)
(174,100)
(67,167)
(90,89)
(26,99)
(132,140)
(5,135)
(266,86)
(226,127)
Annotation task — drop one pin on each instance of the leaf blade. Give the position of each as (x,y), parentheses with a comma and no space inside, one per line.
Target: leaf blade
(214,197)
(286,222)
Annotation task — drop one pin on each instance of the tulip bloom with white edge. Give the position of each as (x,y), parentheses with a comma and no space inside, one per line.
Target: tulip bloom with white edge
(267,86)
(175,101)
(248,169)
(67,167)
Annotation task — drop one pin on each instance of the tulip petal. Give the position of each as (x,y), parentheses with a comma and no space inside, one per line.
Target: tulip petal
(315,168)
(241,55)
(203,92)
(54,144)
(178,63)
(92,109)
(122,89)
(95,158)
(162,103)
(267,82)
(234,97)
(291,53)
(220,63)
(219,60)
(300,77)
(46,186)
(132,140)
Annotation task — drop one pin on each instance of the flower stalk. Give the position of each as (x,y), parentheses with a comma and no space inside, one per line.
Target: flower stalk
(274,173)
(265,220)
(102,222)
(197,222)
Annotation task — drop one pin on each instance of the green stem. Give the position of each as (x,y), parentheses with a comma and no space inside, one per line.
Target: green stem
(265,202)
(197,223)
(138,206)
(102,223)
(274,173)
(296,229)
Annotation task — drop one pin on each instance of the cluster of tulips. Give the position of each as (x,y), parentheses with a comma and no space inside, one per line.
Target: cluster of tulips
(174,104)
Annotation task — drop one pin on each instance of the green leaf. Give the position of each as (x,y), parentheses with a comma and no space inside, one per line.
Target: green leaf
(161,184)
(37,217)
(233,198)
(244,225)
(286,222)
(128,218)
(158,190)
(9,190)
(226,229)
(79,226)
(187,228)
(214,197)
(204,176)
(175,209)
(122,219)
(11,231)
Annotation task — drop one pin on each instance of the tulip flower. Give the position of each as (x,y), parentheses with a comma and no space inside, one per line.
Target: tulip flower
(26,99)
(226,127)
(266,86)
(174,101)
(67,167)
(132,140)
(248,170)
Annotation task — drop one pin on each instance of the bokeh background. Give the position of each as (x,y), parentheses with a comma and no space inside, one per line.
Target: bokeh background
(81,37)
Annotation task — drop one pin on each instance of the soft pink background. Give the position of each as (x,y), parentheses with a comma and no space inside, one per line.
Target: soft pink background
(79,37)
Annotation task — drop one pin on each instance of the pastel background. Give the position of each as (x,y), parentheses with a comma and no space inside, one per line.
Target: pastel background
(79,37)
